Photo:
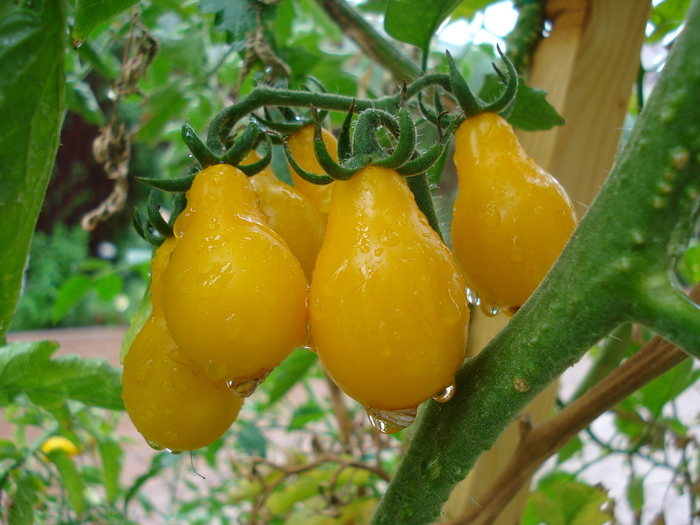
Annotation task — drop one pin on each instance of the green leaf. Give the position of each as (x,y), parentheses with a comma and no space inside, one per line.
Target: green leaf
(21,508)
(91,13)
(81,99)
(666,17)
(159,463)
(655,394)
(635,494)
(28,368)
(111,455)
(468,8)
(31,105)
(289,373)
(415,21)
(573,447)
(71,479)
(305,414)
(532,111)
(70,294)
(109,285)
(237,17)
(250,439)
(562,500)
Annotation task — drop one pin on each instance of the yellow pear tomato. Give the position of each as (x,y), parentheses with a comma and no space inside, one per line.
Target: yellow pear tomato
(511,218)
(170,400)
(388,309)
(234,296)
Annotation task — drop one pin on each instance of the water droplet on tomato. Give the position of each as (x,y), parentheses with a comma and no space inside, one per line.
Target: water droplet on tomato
(490,310)
(473,297)
(174,452)
(390,421)
(155,446)
(446,393)
(246,387)
(215,371)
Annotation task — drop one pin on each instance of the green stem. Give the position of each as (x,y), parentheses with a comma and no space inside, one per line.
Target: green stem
(420,187)
(261,96)
(370,41)
(612,351)
(631,235)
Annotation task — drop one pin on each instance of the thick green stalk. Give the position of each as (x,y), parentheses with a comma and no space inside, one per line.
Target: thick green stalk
(371,42)
(616,268)
(262,96)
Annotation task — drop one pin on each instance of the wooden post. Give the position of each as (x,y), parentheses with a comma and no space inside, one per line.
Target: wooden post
(587,65)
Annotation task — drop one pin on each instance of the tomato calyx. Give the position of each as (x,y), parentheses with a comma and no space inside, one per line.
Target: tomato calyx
(362,148)
(471,104)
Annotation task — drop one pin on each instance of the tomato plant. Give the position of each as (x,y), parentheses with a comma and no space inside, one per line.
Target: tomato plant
(339,238)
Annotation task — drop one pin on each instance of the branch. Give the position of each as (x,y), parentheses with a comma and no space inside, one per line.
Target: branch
(546,438)
(370,41)
(615,269)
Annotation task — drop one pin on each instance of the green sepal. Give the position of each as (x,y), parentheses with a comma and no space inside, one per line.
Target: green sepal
(257,167)
(365,142)
(153,237)
(423,162)
(243,144)
(199,150)
(327,163)
(468,101)
(345,136)
(156,219)
(406,144)
(321,180)
(506,101)
(286,128)
(178,185)
(429,115)
(179,205)
(138,223)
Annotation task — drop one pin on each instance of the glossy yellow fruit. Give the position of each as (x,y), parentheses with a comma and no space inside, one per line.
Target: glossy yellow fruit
(292,215)
(301,145)
(511,218)
(234,296)
(170,400)
(59,443)
(388,309)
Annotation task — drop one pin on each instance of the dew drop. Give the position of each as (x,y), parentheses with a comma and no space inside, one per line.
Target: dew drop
(473,297)
(215,371)
(446,393)
(155,446)
(174,452)
(246,387)
(490,310)
(390,421)
(378,252)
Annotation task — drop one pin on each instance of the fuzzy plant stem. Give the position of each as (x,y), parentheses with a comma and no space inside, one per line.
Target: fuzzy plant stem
(615,269)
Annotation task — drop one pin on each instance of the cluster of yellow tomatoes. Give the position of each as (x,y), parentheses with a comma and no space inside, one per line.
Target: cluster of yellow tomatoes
(351,269)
